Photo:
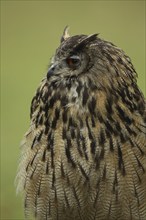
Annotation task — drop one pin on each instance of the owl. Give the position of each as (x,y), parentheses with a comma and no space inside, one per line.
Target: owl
(84,154)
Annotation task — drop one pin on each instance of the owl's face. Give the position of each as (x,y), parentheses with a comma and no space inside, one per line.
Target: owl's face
(73,57)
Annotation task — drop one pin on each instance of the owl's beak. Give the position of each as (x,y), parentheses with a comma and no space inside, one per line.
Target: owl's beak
(51,70)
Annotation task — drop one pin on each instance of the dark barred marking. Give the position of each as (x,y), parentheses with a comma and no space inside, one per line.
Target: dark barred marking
(73,99)
(83,172)
(109,57)
(31,163)
(101,138)
(111,144)
(143,125)
(32,106)
(69,143)
(52,155)
(46,109)
(118,127)
(31,176)
(109,128)
(57,113)
(40,120)
(76,196)
(136,195)
(139,179)
(144,119)
(104,173)
(64,101)
(68,181)
(123,137)
(64,133)
(84,147)
(108,106)
(36,120)
(92,105)
(34,140)
(109,117)
(72,132)
(40,135)
(124,117)
(141,107)
(127,98)
(36,203)
(93,121)
(46,214)
(100,118)
(72,123)
(92,85)
(52,102)
(64,116)
(62,171)
(139,164)
(53,179)
(47,168)
(120,160)
(85,96)
(54,122)
(45,97)
(121,61)
(97,161)
(81,123)
(140,130)
(49,208)
(93,146)
(39,188)
(25,205)
(54,85)
(101,156)
(44,156)
(109,210)
(66,199)
(69,156)
(131,132)
(27,166)
(79,145)
(89,130)
(108,134)
(134,144)
(79,88)
(56,200)
(115,131)
(96,197)
(136,95)
(115,183)
(50,139)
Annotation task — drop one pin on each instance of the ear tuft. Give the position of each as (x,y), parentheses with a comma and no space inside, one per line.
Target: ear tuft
(65,34)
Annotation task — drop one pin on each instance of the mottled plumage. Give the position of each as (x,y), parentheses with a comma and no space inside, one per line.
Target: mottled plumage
(84,155)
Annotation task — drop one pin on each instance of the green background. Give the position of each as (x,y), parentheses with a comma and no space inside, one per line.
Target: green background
(30,33)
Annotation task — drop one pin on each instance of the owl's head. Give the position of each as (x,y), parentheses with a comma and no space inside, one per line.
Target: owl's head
(73,56)
(89,56)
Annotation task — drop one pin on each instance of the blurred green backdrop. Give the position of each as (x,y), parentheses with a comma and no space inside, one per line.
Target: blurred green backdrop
(30,33)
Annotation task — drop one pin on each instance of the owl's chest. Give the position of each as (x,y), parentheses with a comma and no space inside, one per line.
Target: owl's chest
(80,162)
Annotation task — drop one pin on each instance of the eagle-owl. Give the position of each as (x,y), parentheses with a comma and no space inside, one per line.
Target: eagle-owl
(84,155)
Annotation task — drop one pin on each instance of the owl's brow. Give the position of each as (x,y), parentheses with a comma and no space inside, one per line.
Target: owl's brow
(85,41)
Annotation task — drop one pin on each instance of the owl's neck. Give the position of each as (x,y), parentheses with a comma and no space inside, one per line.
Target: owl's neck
(78,99)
